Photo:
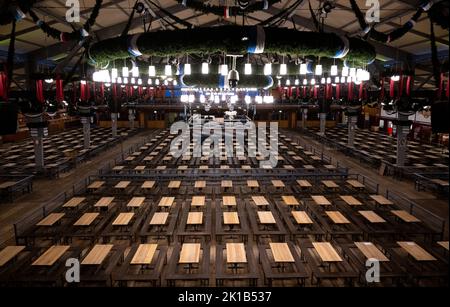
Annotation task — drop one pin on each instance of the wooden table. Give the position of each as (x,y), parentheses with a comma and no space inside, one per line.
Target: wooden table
(290,200)
(97,254)
(278,183)
(182,167)
(350,200)
(122,184)
(230,218)
(417,252)
(260,201)
(139,168)
(301,217)
(246,167)
(229,201)
(104,202)
(405,216)
(144,254)
(337,217)
(174,184)
(444,244)
(370,251)
(51,255)
(198,201)
(330,184)
(281,252)
(304,184)
(372,217)
(236,253)
(86,219)
(195,218)
(381,200)
(166,201)
(440,182)
(226,184)
(118,168)
(320,200)
(50,219)
(266,217)
(327,252)
(74,202)
(123,219)
(200,184)
(96,185)
(190,253)
(9,253)
(356,184)
(149,184)
(159,218)
(136,202)
(252,183)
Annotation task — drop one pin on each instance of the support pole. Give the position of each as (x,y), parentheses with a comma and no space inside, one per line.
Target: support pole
(304,118)
(323,122)
(403,127)
(114,124)
(86,121)
(131,118)
(352,120)
(38,130)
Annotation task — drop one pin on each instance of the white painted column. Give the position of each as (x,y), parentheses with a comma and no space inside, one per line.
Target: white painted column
(403,127)
(352,120)
(323,122)
(304,117)
(114,124)
(86,121)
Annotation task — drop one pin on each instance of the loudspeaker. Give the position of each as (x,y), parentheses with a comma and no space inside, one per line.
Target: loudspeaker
(8,118)
(440,122)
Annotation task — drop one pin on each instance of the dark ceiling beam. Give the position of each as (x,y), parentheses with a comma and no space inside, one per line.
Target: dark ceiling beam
(54,22)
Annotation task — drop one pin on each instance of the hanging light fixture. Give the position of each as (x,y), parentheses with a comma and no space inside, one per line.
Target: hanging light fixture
(135,71)
(395,78)
(337,79)
(191,98)
(174,82)
(328,80)
(114,73)
(322,81)
(151,71)
(184,98)
(349,79)
(303,69)
(168,70)
(334,70)
(119,80)
(216,99)
(345,71)
(49,80)
(352,72)
(202,98)
(157,82)
(139,81)
(205,68)
(297,82)
(187,69)
(313,81)
(267,69)
(248,69)
(288,82)
(125,72)
(149,81)
(247,99)
(224,70)
(343,79)
(283,69)
(125,80)
(258,99)
(318,70)
(133,80)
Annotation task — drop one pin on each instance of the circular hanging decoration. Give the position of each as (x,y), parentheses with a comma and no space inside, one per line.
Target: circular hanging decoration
(14,10)
(244,6)
(233,40)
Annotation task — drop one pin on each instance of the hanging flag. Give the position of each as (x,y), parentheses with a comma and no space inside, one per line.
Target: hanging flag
(350,91)
(3,86)
(338,91)
(392,88)
(400,86)
(409,83)
(59,90)
(40,91)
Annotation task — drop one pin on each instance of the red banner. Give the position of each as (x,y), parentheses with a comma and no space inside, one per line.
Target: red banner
(350,91)
(400,86)
(59,90)
(338,91)
(40,91)
(392,88)
(3,86)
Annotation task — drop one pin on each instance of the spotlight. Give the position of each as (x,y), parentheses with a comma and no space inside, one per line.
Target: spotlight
(139,7)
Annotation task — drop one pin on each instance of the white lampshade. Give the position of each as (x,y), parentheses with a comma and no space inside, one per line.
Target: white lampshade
(322,81)
(313,81)
(395,78)
(297,82)
(151,71)
(216,99)
(343,79)
(184,98)
(205,68)
(248,69)
(119,80)
(191,98)
(352,72)
(283,69)
(224,69)
(268,69)
(202,98)
(125,80)
(114,73)
(303,69)
(149,81)
(125,71)
(288,82)
(305,82)
(139,81)
(168,70)
(133,80)
(349,79)
(174,82)
(187,69)
(318,70)
(337,79)
(248,99)
(157,82)
(135,71)
(334,70)
(328,80)
(258,99)
(345,71)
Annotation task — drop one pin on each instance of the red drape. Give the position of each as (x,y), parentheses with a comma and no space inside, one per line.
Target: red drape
(400,86)
(82,91)
(3,86)
(59,90)
(40,91)
(102,90)
(441,87)
(447,90)
(361,90)
(392,88)
(316,92)
(350,91)
(408,85)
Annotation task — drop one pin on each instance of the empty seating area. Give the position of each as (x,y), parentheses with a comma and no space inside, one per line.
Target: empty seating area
(157,220)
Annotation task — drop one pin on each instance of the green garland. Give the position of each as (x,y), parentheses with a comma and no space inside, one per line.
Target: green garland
(234,40)
(227,10)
